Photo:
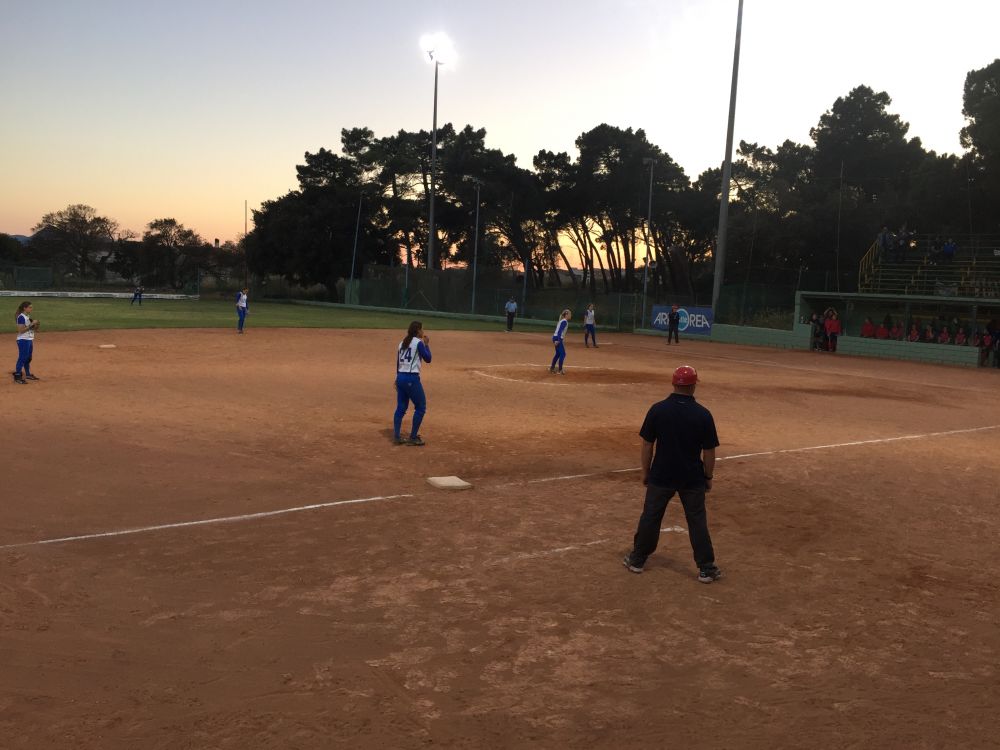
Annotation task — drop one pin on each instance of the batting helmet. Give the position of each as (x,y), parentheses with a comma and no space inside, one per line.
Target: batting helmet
(685,375)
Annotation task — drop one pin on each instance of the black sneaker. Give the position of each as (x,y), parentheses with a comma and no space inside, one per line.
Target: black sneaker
(707,575)
(628,563)
(31,377)
(416,441)
(399,441)
(18,378)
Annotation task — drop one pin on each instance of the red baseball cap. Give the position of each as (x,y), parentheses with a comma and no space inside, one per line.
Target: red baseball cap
(685,375)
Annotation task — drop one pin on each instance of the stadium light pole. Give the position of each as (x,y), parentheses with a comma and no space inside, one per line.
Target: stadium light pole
(727,173)
(440,51)
(475,244)
(649,234)
(434,151)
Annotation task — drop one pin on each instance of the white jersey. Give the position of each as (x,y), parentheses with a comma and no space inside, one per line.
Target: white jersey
(588,319)
(242,302)
(408,359)
(24,320)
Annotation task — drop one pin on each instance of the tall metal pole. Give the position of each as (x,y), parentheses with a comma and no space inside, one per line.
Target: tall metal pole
(649,237)
(434,149)
(475,249)
(357,227)
(840,206)
(727,173)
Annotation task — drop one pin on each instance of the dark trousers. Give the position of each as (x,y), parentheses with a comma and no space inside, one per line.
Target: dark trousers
(407,390)
(647,535)
(25,347)
(510,321)
(672,331)
(560,356)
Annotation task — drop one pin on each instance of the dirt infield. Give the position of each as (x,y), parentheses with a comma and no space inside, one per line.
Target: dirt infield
(855,513)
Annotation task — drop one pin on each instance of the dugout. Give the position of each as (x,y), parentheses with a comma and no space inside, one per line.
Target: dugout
(970,314)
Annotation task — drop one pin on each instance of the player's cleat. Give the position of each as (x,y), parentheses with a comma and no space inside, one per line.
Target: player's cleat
(552,371)
(416,440)
(400,441)
(18,378)
(632,566)
(560,372)
(31,377)
(707,575)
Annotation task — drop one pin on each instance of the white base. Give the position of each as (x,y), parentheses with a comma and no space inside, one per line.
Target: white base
(449,483)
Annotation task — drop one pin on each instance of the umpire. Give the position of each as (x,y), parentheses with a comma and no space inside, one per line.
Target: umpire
(683,432)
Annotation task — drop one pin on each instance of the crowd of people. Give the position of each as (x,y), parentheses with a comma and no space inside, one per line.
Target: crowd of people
(954,332)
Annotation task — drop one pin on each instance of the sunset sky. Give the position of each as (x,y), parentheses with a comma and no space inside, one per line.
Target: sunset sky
(147,110)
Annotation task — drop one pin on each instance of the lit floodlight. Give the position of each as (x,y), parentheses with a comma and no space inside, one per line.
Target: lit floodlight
(439,48)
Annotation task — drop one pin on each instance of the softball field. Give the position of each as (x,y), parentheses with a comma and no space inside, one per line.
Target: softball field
(209,541)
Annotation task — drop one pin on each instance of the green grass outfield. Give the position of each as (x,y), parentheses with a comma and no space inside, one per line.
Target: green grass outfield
(61,314)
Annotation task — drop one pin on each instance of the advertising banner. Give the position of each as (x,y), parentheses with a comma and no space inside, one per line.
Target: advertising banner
(694,321)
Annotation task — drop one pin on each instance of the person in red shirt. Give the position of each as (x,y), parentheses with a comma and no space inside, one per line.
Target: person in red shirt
(896,332)
(868,329)
(960,337)
(975,340)
(928,334)
(944,337)
(914,333)
(881,332)
(833,330)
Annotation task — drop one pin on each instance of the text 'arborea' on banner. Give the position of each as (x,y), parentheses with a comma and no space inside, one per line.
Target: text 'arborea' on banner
(694,321)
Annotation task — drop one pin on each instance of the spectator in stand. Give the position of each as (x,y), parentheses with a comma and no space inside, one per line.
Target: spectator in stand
(929,336)
(976,339)
(960,339)
(884,244)
(868,329)
(914,333)
(882,332)
(985,346)
(944,337)
(948,251)
(902,243)
(935,253)
(833,330)
(896,332)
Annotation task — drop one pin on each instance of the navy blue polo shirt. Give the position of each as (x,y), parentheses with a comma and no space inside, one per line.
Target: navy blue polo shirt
(681,428)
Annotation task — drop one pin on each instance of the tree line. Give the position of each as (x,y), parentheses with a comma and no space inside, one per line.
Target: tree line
(80,243)
(621,199)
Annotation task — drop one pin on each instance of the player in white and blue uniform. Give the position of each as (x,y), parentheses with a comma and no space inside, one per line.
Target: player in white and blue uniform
(412,351)
(25,344)
(589,326)
(241,309)
(557,339)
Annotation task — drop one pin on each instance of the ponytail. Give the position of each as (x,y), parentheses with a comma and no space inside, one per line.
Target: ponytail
(21,308)
(412,331)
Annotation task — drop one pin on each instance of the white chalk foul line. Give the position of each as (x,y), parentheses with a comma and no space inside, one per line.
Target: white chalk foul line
(204,521)
(776,452)
(566,477)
